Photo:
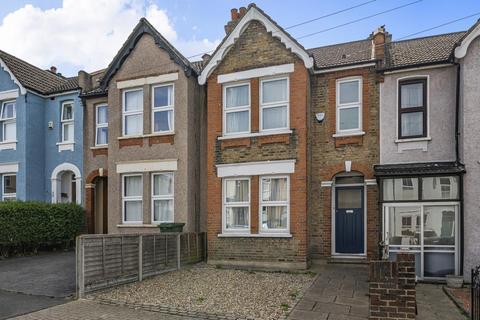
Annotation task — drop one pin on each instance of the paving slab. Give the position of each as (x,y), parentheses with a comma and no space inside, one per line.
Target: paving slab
(433,304)
(14,304)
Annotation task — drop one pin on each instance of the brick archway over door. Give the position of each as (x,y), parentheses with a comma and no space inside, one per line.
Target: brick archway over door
(90,197)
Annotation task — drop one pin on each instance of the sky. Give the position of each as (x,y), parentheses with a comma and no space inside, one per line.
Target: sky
(86,34)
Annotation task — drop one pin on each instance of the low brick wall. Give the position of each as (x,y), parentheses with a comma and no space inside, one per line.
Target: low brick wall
(392,288)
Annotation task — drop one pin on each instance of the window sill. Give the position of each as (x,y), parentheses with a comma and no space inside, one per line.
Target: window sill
(159,134)
(348,134)
(8,145)
(65,146)
(135,225)
(413,140)
(130,137)
(255,134)
(105,146)
(254,235)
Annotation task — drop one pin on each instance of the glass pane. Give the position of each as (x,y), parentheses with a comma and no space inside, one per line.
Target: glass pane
(274,217)
(434,188)
(133,211)
(163,96)
(10,131)
(412,95)
(275,117)
(67,132)
(102,114)
(400,189)
(163,210)
(133,186)
(133,100)
(349,118)
(9,184)
(102,135)
(404,226)
(274,189)
(236,217)
(438,264)
(8,110)
(134,124)
(162,121)
(349,198)
(237,190)
(349,92)
(348,180)
(67,112)
(237,121)
(163,184)
(237,96)
(274,91)
(412,124)
(439,225)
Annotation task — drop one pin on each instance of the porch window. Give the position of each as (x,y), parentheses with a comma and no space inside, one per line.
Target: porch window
(163,109)
(349,105)
(236,109)
(412,109)
(236,204)
(9,188)
(132,202)
(274,104)
(133,112)
(274,204)
(101,125)
(9,121)
(162,197)
(67,122)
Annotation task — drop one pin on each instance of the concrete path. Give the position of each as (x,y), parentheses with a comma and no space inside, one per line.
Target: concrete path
(32,283)
(90,310)
(433,304)
(339,293)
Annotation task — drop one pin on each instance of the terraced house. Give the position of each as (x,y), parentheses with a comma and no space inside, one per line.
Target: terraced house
(41,145)
(143,116)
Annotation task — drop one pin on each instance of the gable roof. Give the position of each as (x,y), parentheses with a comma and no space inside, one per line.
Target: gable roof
(464,42)
(254,13)
(144,27)
(343,54)
(33,78)
(421,51)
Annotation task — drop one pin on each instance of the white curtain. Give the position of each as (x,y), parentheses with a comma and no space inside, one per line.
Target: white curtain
(102,135)
(349,92)
(102,114)
(163,184)
(8,110)
(412,95)
(237,96)
(163,210)
(133,100)
(236,217)
(10,129)
(237,190)
(133,186)
(275,117)
(163,120)
(237,121)
(274,91)
(349,118)
(274,189)
(134,124)
(133,211)
(412,124)
(274,217)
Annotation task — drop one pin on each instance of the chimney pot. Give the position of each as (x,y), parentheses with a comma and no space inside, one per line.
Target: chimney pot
(53,69)
(243,10)
(205,57)
(234,14)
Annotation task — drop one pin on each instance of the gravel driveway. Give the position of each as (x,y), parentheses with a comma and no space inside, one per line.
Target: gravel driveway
(206,289)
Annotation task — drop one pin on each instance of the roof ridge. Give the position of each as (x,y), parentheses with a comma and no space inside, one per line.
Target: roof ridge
(338,44)
(426,37)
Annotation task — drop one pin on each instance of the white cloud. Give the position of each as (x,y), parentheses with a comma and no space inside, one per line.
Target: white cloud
(85,34)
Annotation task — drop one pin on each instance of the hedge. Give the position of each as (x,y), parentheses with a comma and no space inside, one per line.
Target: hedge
(27,226)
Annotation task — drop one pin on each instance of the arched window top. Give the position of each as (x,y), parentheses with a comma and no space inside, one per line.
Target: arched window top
(353,177)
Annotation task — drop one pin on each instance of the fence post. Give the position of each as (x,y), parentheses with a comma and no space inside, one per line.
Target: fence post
(179,252)
(140,258)
(80,267)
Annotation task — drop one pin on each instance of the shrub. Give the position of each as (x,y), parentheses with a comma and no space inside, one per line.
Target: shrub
(27,226)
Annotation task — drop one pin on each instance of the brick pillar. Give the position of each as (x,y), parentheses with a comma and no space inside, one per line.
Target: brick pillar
(90,207)
(392,288)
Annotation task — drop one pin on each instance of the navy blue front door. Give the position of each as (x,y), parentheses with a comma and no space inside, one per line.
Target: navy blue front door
(349,220)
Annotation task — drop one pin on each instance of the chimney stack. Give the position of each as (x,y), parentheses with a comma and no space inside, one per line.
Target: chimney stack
(243,10)
(53,69)
(205,57)
(84,81)
(379,38)
(235,15)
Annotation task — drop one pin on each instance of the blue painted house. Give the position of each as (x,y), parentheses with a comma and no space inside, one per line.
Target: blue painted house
(41,138)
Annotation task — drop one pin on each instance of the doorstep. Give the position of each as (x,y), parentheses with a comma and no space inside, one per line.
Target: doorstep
(345,259)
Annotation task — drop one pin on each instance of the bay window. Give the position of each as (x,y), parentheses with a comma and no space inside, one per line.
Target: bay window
(412,109)
(162,197)
(101,125)
(8,117)
(274,107)
(133,112)
(274,205)
(67,122)
(163,109)
(236,109)
(349,105)
(9,187)
(132,201)
(236,205)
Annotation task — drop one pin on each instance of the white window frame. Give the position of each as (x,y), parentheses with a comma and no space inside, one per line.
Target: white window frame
(100,125)
(131,113)
(236,204)
(236,109)
(9,120)
(163,108)
(68,122)
(350,105)
(262,203)
(8,195)
(131,198)
(162,197)
(274,104)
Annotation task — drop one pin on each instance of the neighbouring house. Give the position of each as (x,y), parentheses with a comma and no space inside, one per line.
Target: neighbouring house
(41,136)
(420,173)
(466,54)
(144,116)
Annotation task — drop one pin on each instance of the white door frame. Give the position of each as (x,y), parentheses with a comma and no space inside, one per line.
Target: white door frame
(56,181)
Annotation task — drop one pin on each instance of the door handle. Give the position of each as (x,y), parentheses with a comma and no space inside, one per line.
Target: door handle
(349,211)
